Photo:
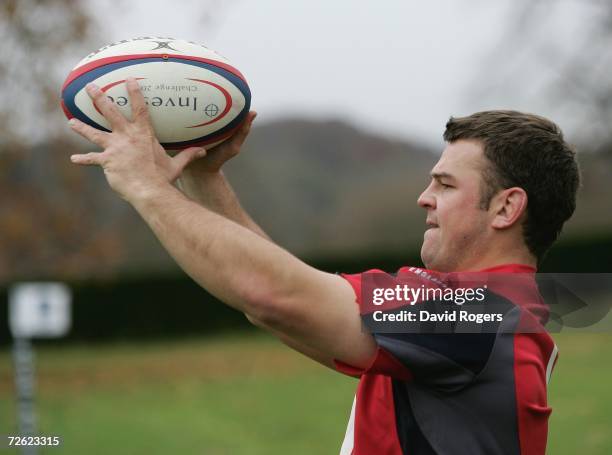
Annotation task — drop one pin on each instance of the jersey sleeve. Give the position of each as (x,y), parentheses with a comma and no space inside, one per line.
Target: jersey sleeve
(446,361)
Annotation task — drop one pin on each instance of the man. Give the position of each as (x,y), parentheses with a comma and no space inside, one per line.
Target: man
(499,195)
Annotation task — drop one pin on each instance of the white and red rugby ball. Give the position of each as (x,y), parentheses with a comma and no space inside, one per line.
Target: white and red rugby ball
(194,95)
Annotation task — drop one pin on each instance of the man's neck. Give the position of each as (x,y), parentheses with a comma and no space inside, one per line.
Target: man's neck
(487,262)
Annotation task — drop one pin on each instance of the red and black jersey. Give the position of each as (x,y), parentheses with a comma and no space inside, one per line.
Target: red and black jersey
(457,393)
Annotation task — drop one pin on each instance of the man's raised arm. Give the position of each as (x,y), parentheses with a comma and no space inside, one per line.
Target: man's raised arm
(242,269)
(204,182)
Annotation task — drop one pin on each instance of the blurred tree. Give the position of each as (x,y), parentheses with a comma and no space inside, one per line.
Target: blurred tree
(559,53)
(46,223)
(38,39)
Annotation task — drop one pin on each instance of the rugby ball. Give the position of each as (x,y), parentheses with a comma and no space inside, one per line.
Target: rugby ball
(194,95)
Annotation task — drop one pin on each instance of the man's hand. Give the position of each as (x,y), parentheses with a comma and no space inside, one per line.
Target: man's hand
(133,160)
(213,159)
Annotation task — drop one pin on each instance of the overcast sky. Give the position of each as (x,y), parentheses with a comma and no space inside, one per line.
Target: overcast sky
(392,66)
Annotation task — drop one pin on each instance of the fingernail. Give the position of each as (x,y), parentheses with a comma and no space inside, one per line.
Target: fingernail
(73,158)
(92,86)
(72,121)
(130,79)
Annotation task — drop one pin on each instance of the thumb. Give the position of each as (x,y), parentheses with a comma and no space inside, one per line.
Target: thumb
(200,152)
(186,156)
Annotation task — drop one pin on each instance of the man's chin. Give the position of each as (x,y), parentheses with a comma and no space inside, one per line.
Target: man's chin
(426,257)
(432,261)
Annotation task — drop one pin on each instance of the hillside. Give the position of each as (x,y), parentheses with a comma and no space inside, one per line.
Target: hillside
(321,189)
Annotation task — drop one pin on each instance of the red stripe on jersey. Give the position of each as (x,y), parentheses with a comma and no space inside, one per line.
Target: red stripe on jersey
(375,422)
(531,354)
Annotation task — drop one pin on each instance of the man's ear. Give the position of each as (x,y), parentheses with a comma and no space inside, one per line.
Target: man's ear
(509,206)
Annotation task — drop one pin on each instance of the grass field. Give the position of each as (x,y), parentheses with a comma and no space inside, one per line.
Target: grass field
(248,394)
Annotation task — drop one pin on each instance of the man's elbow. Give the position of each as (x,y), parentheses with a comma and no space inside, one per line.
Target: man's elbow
(270,311)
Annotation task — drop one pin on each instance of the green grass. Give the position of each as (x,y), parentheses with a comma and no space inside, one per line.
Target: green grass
(249,394)
(229,395)
(580,395)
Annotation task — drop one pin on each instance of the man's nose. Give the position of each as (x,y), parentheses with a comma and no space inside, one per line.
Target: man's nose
(426,200)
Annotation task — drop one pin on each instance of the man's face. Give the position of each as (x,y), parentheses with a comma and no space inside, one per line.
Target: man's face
(458,228)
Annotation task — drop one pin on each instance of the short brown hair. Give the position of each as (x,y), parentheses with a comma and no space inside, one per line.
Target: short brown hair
(527,151)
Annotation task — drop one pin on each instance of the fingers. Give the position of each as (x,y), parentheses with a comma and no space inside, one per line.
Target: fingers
(140,112)
(90,133)
(96,136)
(88,159)
(106,107)
(250,118)
(241,135)
(184,157)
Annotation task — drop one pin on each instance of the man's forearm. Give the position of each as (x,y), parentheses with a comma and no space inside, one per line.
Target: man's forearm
(212,190)
(238,266)
(312,310)
(231,262)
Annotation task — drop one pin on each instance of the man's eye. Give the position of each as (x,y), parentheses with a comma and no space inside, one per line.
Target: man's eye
(444,185)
